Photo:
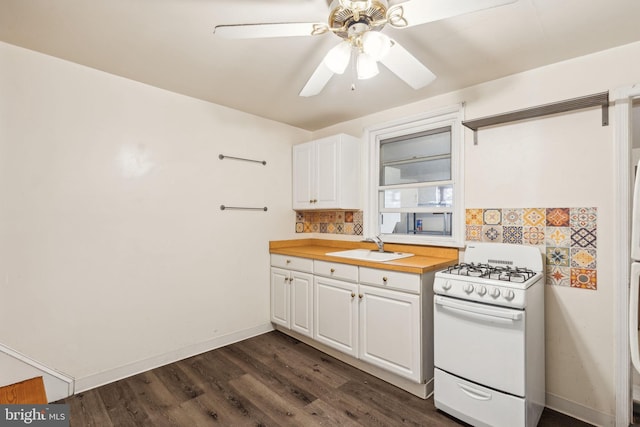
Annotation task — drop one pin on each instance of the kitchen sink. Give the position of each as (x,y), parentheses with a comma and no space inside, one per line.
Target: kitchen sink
(369,255)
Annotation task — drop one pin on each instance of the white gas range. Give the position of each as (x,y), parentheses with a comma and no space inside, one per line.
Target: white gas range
(489,336)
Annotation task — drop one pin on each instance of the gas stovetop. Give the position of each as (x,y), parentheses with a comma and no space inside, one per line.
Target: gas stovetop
(492,273)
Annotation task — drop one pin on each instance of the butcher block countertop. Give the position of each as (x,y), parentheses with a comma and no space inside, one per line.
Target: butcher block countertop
(426,258)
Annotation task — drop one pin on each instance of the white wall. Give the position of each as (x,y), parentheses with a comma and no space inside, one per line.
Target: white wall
(113,249)
(560,161)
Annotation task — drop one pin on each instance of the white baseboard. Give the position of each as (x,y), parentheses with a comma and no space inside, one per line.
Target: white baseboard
(115,374)
(16,367)
(579,411)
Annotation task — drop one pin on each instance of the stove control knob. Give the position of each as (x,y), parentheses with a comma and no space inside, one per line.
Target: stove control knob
(508,294)
(468,288)
(446,285)
(494,292)
(481,290)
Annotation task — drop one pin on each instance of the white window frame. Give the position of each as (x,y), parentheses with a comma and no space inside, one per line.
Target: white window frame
(446,117)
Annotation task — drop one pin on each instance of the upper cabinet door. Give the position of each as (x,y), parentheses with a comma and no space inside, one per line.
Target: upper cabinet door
(303,176)
(326,174)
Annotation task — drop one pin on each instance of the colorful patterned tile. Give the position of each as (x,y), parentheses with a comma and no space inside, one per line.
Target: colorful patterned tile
(534,217)
(323,227)
(584,237)
(492,217)
(512,216)
(492,233)
(474,233)
(358,217)
(348,216)
(557,236)
(473,217)
(299,216)
(339,216)
(339,227)
(558,276)
(512,234)
(533,236)
(584,278)
(315,227)
(308,227)
(348,228)
(357,229)
(558,217)
(584,218)
(583,258)
(331,228)
(299,227)
(557,257)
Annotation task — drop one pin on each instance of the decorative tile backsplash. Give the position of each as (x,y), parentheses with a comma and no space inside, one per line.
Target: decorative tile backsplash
(330,222)
(566,236)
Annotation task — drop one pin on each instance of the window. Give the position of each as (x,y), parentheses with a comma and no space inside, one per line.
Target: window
(416,184)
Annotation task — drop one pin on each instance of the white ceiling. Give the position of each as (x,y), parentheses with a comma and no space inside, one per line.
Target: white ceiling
(170,44)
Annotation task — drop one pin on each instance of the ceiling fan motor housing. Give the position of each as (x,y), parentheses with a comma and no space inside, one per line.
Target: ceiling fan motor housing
(354,18)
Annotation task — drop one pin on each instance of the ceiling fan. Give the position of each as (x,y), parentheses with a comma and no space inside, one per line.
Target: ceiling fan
(359,23)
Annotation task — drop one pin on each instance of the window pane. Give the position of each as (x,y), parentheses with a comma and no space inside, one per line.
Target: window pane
(424,197)
(420,157)
(416,223)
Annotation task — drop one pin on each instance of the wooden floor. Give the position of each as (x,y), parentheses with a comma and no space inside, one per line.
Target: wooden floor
(269,380)
(30,391)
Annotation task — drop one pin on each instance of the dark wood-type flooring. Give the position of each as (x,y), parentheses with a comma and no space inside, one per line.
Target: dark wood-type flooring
(269,380)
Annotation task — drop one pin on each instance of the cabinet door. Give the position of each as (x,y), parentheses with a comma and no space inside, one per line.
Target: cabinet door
(304,167)
(336,314)
(390,331)
(302,303)
(280,298)
(327,173)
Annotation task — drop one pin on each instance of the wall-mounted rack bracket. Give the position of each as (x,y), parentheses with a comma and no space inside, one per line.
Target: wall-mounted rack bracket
(240,208)
(596,100)
(222,157)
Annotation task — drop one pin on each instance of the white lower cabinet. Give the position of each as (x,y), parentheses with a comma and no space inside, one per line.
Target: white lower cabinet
(336,314)
(377,316)
(292,294)
(390,332)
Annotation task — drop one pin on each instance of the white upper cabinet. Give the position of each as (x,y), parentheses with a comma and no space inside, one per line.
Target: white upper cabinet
(326,174)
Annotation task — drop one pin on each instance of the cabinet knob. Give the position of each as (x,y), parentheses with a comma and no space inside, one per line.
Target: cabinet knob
(360,296)
(384,279)
(353,294)
(288,261)
(333,270)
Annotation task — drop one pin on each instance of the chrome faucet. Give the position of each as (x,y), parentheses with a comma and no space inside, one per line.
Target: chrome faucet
(378,241)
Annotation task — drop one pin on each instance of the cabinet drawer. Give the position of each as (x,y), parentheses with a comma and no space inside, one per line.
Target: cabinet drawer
(292,263)
(336,270)
(390,279)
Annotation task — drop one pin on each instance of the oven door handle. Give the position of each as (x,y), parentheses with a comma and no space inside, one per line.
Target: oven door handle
(478,311)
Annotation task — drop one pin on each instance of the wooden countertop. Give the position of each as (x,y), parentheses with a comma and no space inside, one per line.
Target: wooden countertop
(426,258)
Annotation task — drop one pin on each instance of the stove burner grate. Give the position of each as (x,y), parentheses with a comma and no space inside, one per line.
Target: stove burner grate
(487,271)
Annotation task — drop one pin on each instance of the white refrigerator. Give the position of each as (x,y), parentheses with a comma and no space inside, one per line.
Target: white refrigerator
(634,287)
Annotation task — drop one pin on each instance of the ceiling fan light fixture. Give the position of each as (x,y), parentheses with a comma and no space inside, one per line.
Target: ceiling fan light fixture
(376,44)
(367,66)
(337,59)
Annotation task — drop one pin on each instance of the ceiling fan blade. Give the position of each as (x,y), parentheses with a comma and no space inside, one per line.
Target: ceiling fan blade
(317,81)
(416,12)
(407,67)
(260,31)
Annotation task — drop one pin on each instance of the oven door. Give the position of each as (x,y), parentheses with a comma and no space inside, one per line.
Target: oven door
(481,343)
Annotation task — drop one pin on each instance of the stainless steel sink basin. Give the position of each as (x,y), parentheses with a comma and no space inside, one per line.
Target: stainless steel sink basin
(368,255)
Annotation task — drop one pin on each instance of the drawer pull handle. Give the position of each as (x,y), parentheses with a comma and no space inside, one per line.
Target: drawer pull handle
(288,261)
(333,270)
(384,279)
(360,296)
(353,294)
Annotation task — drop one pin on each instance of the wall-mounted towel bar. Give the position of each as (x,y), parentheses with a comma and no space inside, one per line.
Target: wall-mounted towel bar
(240,208)
(222,157)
